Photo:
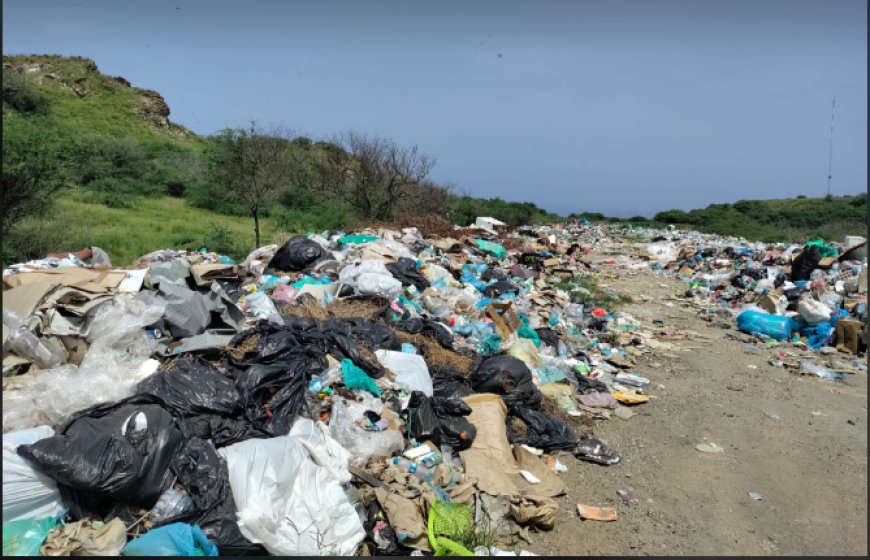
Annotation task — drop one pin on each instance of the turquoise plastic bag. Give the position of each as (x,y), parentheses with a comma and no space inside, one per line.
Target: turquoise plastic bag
(25,537)
(528,332)
(175,539)
(355,378)
(493,249)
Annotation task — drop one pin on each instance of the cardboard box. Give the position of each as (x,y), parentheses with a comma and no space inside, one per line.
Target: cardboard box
(849,335)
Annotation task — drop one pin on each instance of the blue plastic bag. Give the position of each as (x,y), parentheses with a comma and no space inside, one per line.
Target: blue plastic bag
(774,326)
(175,539)
(25,537)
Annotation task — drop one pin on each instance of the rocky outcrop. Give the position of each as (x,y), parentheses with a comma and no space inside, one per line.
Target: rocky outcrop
(153,108)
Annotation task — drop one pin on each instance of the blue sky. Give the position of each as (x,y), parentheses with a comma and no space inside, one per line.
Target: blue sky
(620,106)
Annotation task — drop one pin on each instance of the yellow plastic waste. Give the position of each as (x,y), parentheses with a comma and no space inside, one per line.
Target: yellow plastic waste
(630,398)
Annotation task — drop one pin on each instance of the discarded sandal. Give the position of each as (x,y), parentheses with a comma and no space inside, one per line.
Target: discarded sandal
(593,449)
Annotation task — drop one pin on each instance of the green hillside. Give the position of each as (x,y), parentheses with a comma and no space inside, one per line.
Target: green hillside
(130,180)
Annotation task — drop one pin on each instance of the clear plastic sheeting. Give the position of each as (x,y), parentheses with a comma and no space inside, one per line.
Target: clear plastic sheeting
(288,502)
(27,493)
(116,361)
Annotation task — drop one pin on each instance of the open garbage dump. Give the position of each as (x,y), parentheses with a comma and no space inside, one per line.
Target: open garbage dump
(378,392)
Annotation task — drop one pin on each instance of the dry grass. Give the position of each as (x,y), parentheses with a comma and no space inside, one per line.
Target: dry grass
(343,309)
(436,355)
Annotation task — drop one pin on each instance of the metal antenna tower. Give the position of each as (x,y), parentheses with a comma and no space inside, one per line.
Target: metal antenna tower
(831,144)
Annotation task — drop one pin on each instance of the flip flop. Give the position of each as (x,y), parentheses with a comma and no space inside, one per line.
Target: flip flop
(596,451)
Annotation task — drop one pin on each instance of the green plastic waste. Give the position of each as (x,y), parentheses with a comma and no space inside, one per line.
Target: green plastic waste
(493,249)
(357,238)
(489,345)
(824,250)
(25,537)
(355,378)
(528,332)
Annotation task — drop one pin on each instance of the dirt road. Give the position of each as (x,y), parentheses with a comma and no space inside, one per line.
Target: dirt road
(799,442)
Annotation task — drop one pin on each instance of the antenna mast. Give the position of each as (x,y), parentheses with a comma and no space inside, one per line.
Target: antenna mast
(831,145)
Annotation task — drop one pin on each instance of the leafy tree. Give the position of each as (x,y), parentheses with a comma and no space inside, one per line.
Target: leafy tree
(32,168)
(252,164)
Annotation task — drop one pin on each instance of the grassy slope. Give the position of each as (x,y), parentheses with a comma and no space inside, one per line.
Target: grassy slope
(154,223)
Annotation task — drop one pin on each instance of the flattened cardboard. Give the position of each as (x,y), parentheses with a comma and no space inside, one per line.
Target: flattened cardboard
(96,281)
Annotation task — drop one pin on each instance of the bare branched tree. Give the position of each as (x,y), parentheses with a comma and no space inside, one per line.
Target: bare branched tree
(253,164)
(372,173)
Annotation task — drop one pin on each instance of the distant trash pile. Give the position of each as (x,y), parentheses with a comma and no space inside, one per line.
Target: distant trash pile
(376,392)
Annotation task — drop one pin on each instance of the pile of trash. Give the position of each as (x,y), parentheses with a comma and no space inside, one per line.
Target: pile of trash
(807,305)
(373,392)
(376,392)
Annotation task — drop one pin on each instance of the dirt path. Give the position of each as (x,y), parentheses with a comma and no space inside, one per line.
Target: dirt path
(810,465)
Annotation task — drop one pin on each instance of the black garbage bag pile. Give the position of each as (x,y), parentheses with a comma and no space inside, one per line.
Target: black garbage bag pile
(441,420)
(297,254)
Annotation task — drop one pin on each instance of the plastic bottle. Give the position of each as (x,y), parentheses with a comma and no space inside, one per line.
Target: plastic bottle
(407,466)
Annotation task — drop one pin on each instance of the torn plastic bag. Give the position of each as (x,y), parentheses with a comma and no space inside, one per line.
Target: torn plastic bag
(375,336)
(193,387)
(405,271)
(273,394)
(116,451)
(506,376)
(175,271)
(204,476)
(426,327)
(27,493)
(410,369)
(177,539)
(223,431)
(25,537)
(297,254)
(288,502)
(806,262)
(188,313)
(544,432)
(440,420)
(448,382)
(325,451)
(360,443)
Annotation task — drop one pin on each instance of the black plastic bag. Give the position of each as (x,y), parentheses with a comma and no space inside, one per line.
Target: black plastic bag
(298,253)
(440,420)
(548,337)
(448,382)
(223,431)
(427,327)
(544,432)
(500,287)
(273,394)
(405,271)
(193,387)
(806,263)
(114,451)
(506,376)
(373,336)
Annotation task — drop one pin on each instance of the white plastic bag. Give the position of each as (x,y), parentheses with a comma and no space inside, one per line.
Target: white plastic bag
(27,493)
(362,444)
(289,503)
(813,311)
(379,285)
(410,370)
